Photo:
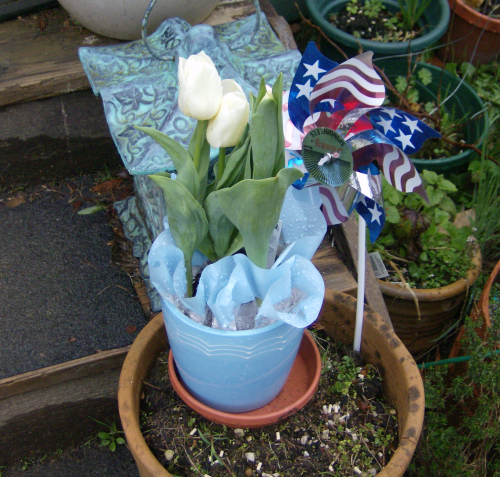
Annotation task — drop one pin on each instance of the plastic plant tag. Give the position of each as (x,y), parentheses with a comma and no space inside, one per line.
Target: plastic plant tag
(378,265)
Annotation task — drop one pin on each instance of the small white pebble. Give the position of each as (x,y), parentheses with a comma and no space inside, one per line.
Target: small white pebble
(266,475)
(348,430)
(361,376)
(169,454)
(327,446)
(326,434)
(374,414)
(309,442)
(259,466)
(342,418)
(221,453)
(276,475)
(306,454)
(380,454)
(330,468)
(365,440)
(357,470)
(210,458)
(354,437)
(330,424)
(278,436)
(250,456)
(239,432)
(249,439)
(372,471)
(325,409)
(336,408)
(330,408)
(193,432)
(303,440)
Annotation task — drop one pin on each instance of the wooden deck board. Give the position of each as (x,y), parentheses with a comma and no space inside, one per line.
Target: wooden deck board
(36,64)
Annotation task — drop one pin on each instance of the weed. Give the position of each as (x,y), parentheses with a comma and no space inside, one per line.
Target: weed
(111,438)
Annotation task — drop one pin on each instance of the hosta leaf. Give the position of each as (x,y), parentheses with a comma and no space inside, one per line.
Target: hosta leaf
(183,162)
(254,206)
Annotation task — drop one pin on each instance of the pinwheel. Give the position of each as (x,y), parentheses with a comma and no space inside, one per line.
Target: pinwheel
(340,136)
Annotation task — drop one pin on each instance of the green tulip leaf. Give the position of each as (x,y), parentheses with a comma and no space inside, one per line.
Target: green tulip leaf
(280,146)
(234,165)
(254,207)
(260,94)
(264,133)
(183,162)
(186,218)
(198,145)
(221,229)
(206,247)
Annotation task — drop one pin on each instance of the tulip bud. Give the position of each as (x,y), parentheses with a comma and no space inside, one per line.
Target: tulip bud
(224,130)
(200,87)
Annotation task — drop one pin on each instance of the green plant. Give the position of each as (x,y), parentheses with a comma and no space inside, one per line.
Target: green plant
(241,206)
(486,204)
(462,427)
(411,11)
(345,372)
(111,438)
(406,96)
(421,237)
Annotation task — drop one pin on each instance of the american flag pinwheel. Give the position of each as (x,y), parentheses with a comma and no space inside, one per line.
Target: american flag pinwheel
(347,98)
(338,133)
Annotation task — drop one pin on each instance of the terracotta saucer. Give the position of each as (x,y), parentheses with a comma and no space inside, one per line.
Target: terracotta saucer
(301,384)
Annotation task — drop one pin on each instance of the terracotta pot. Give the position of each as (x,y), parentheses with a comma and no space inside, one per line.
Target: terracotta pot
(480,310)
(380,346)
(439,308)
(465,27)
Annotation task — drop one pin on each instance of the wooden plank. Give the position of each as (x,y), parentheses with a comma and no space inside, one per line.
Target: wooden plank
(39,63)
(60,373)
(40,59)
(335,274)
(346,239)
(51,408)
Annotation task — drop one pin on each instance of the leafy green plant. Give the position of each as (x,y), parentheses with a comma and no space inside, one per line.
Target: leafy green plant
(421,237)
(345,373)
(462,427)
(112,437)
(411,11)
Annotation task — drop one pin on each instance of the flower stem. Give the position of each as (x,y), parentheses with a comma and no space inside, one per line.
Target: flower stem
(200,137)
(222,163)
(189,277)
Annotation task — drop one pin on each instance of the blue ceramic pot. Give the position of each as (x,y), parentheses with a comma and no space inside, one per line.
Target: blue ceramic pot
(231,371)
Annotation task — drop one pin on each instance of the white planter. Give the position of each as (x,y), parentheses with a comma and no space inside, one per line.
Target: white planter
(122,19)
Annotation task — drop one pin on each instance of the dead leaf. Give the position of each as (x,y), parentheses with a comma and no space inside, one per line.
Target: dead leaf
(76,205)
(70,340)
(15,201)
(131,329)
(363,406)
(107,185)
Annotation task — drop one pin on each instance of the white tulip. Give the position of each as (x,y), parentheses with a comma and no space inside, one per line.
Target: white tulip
(200,87)
(226,127)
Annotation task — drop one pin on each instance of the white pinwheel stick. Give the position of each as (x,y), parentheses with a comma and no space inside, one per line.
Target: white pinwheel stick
(361,282)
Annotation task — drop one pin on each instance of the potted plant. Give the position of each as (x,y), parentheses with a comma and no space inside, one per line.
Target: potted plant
(432,24)
(433,263)
(422,89)
(473,33)
(381,347)
(235,337)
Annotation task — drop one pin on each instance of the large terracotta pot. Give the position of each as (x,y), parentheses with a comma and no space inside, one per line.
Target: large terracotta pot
(122,18)
(466,27)
(380,346)
(439,308)
(480,310)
